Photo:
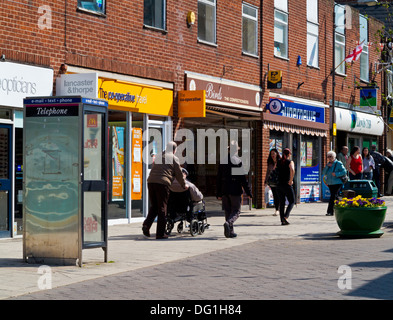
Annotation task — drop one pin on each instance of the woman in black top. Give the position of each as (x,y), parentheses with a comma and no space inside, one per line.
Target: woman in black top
(286,172)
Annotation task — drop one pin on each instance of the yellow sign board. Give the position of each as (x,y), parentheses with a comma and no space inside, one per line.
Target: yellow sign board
(334,129)
(127,96)
(192,104)
(274,79)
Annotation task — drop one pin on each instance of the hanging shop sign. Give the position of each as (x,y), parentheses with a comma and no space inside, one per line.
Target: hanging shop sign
(192,104)
(18,81)
(294,110)
(274,79)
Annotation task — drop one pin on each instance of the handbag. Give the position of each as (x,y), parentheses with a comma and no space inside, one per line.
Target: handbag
(272,180)
(344,179)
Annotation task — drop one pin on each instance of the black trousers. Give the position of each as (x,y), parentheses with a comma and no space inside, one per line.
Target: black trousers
(286,192)
(334,191)
(158,195)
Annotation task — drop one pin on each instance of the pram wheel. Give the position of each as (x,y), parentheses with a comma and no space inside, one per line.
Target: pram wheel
(194,227)
(201,227)
(180,227)
(169,226)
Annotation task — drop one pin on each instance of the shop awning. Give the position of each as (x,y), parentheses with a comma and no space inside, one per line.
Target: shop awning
(279,126)
(235,113)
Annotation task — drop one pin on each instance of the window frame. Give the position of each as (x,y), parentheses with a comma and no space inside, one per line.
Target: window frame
(281,23)
(92,11)
(163,17)
(212,3)
(255,20)
(339,31)
(312,23)
(365,53)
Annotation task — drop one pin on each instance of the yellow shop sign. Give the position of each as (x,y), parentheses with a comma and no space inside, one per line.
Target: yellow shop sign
(127,96)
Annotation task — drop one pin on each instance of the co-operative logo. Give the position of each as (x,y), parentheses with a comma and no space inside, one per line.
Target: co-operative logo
(275,105)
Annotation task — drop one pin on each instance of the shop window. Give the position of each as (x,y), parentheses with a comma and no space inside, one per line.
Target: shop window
(154,14)
(117,201)
(250,30)
(97,6)
(207,21)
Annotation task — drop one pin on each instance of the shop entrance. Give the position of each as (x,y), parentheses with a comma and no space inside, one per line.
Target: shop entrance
(5,180)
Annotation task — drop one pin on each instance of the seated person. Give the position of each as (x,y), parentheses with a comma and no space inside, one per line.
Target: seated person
(195,194)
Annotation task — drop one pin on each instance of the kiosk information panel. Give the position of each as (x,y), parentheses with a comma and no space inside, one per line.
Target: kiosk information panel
(64,178)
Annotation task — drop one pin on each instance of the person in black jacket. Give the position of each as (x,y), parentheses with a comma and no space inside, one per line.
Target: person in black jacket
(379,160)
(231,181)
(286,173)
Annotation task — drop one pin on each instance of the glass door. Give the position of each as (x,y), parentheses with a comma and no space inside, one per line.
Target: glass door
(156,143)
(94,178)
(5,180)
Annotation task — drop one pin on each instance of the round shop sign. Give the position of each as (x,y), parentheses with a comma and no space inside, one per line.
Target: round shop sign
(275,105)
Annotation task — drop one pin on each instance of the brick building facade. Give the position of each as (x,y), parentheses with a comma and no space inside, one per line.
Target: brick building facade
(231,45)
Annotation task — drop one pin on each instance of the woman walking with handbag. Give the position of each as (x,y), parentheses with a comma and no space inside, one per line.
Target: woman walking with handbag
(271,178)
(332,174)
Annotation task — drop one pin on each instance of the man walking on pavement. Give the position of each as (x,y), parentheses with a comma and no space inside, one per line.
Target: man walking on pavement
(165,169)
(230,185)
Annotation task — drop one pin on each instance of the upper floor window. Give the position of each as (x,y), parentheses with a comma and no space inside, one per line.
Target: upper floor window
(281,28)
(250,30)
(207,20)
(312,33)
(154,14)
(92,5)
(364,66)
(339,38)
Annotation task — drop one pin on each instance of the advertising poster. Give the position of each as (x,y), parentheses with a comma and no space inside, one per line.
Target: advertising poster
(117,163)
(136,168)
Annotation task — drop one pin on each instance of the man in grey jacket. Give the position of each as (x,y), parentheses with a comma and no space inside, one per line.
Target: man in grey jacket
(165,169)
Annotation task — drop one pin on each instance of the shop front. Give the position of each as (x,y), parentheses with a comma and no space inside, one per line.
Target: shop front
(300,125)
(139,126)
(232,112)
(17,81)
(355,128)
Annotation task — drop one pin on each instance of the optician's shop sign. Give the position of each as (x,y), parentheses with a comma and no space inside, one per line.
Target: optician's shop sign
(18,81)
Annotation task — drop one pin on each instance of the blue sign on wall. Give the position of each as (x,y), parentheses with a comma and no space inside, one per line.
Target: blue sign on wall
(294,110)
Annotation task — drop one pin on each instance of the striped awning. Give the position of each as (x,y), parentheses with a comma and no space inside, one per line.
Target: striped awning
(294,129)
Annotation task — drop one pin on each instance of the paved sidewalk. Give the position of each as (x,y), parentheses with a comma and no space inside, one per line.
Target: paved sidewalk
(129,250)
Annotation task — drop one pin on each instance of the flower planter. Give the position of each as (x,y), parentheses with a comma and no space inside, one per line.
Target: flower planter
(359,222)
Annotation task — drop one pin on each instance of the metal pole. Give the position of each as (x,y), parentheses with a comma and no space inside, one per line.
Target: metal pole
(334,79)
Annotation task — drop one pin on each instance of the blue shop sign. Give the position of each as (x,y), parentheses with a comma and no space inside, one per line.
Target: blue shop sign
(290,109)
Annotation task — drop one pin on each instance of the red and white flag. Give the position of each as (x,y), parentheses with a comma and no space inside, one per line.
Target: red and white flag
(355,54)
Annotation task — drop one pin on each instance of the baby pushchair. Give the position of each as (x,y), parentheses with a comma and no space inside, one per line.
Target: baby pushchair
(189,214)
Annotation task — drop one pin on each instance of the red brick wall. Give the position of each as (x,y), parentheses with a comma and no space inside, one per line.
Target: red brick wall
(119,43)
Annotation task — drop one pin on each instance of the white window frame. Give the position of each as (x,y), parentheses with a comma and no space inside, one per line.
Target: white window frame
(312,34)
(212,3)
(281,23)
(254,18)
(339,33)
(364,57)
